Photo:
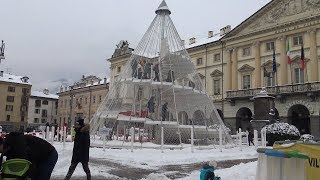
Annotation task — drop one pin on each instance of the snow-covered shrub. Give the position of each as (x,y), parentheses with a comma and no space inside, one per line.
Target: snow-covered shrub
(281,132)
(307,137)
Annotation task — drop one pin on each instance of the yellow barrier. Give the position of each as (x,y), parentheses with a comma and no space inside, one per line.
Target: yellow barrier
(312,164)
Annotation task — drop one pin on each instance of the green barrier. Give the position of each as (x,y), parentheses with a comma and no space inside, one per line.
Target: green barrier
(15,167)
(296,154)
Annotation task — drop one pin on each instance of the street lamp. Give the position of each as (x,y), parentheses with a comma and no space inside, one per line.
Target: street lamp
(2,51)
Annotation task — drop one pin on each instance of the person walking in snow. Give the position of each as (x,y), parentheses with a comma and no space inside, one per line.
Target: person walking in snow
(207,172)
(250,137)
(80,149)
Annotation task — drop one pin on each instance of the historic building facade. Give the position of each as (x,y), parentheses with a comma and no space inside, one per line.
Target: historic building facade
(14,97)
(235,65)
(43,108)
(81,100)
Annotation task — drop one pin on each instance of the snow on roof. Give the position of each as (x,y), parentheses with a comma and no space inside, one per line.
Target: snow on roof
(203,41)
(14,79)
(42,95)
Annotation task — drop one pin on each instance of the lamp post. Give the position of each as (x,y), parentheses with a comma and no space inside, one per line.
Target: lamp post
(2,51)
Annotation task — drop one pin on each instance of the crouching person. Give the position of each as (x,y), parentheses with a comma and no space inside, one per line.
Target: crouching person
(80,149)
(207,172)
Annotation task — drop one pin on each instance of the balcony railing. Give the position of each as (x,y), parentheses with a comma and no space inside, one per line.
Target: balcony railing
(276,90)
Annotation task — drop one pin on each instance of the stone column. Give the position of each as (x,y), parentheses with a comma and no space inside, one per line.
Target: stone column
(228,74)
(234,69)
(282,74)
(257,63)
(314,74)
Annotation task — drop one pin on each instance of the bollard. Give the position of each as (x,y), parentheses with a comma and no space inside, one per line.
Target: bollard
(240,139)
(132,138)
(192,140)
(162,138)
(48,133)
(64,136)
(247,138)
(220,138)
(255,138)
(52,134)
(104,142)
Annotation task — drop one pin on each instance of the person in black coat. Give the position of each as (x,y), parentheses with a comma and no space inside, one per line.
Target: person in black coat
(39,152)
(80,149)
(164,111)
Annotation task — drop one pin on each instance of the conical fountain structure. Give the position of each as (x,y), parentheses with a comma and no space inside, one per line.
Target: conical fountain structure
(160,89)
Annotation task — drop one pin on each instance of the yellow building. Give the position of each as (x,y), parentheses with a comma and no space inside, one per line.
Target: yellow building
(235,64)
(14,97)
(81,100)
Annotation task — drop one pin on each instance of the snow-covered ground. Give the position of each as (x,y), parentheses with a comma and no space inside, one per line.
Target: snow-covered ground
(153,158)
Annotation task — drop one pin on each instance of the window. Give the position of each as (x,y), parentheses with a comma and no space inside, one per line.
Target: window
(80,101)
(11,89)
(43,121)
(86,100)
(271,80)
(37,111)
(299,75)
(10,98)
(65,103)
(270,46)
(38,103)
(246,51)
(216,87)
(94,99)
(217,57)
(36,120)
(45,102)
(297,40)
(25,90)
(246,81)
(9,108)
(44,113)
(100,99)
(8,118)
(199,61)
(22,118)
(119,69)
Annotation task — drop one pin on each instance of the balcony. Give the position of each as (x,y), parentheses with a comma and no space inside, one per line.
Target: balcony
(310,89)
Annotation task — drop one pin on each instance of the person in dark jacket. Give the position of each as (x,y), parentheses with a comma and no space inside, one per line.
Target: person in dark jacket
(156,72)
(250,137)
(207,172)
(80,149)
(39,152)
(164,111)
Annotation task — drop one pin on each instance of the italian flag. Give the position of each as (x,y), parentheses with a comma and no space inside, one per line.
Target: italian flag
(288,53)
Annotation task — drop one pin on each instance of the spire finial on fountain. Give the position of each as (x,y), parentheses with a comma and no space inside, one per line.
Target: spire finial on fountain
(163,8)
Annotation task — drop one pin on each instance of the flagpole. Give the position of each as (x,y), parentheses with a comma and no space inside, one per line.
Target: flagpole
(291,77)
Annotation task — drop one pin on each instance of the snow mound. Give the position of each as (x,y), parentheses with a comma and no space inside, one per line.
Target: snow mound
(282,128)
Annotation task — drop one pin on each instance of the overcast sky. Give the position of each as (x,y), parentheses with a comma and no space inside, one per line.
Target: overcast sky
(51,40)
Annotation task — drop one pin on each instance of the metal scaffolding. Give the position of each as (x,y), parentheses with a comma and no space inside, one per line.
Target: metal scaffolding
(159,88)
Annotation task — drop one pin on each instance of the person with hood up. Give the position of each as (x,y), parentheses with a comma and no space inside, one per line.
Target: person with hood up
(80,149)
(207,172)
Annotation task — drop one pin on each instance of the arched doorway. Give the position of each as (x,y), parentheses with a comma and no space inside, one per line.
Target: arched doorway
(243,118)
(299,116)
(183,118)
(198,118)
